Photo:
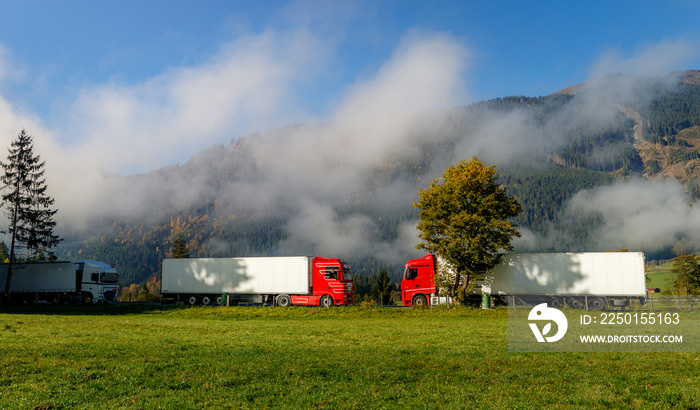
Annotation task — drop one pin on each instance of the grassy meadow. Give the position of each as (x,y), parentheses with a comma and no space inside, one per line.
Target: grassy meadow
(152,357)
(659,276)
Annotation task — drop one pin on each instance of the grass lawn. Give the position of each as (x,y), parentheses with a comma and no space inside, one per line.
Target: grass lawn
(659,276)
(151,357)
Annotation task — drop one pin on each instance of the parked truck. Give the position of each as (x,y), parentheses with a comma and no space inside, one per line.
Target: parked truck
(83,281)
(282,281)
(580,280)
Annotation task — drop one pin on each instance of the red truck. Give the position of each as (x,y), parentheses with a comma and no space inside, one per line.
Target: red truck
(284,281)
(590,280)
(418,285)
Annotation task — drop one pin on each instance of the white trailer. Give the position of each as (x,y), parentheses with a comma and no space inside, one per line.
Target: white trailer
(86,281)
(577,279)
(296,280)
(41,277)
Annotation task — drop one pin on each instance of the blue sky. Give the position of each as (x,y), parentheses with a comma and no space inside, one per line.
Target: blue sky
(117,81)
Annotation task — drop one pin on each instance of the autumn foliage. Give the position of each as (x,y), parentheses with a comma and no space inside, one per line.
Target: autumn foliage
(464,218)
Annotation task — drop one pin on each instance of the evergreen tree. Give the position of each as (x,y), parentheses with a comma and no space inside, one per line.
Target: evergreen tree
(687,271)
(381,291)
(180,250)
(27,206)
(4,253)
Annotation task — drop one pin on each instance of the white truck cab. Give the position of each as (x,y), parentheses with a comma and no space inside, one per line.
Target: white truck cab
(100,281)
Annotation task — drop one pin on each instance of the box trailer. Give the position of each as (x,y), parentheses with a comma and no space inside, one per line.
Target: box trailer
(86,281)
(591,280)
(299,280)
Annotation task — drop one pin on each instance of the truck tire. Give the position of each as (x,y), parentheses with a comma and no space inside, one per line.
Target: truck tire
(420,301)
(206,300)
(596,303)
(575,303)
(284,300)
(192,300)
(556,303)
(87,298)
(217,301)
(326,301)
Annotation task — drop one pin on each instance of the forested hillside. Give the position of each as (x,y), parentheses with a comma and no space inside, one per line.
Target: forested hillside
(296,191)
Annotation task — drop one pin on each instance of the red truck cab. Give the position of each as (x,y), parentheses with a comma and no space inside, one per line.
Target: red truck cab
(331,283)
(418,283)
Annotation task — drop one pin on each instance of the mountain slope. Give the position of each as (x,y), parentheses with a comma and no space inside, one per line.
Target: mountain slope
(346,189)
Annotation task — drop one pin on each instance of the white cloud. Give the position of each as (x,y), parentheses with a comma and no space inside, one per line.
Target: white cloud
(247,86)
(424,75)
(649,59)
(640,214)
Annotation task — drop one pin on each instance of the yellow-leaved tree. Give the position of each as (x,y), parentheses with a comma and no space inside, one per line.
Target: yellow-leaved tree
(464,219)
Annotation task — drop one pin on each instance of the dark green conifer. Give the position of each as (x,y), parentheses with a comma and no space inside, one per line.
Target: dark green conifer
(26,203)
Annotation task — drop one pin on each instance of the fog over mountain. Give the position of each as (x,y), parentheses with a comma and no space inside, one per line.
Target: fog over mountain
(345,188)
(343,185)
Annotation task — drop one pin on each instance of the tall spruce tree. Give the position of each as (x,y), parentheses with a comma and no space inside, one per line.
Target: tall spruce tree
(180,249)
(26,204)
(381,291)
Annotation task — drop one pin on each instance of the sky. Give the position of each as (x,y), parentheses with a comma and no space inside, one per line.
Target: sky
(141,85)
(127,87)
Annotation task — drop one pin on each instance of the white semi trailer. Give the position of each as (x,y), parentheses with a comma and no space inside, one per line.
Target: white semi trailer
(296,280)
(593,279)
(86,281)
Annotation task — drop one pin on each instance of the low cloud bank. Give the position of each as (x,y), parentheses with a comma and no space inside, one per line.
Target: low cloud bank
(250,85)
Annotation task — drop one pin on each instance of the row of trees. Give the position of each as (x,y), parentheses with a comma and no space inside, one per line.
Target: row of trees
(671,112)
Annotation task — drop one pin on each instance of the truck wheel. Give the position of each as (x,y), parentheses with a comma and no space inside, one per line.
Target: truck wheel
(575,303)
(420,301)
(326,301)
(284,300)
(192,300)
(206,300)
(596,304)
(87,298)
(556,303)
(217,301)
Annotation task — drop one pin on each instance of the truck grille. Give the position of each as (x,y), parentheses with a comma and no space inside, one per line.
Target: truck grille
(110,295)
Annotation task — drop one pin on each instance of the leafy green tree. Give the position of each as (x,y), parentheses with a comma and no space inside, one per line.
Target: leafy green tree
(145,295)
(381,291)
(27,206)
(463,218)
(687,271)
(180,250)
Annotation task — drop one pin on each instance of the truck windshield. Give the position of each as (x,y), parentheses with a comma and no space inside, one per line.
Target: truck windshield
(347,276)
(110,277)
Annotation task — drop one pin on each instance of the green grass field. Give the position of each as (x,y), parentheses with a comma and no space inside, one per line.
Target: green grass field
(660,276)
(151,357)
